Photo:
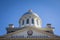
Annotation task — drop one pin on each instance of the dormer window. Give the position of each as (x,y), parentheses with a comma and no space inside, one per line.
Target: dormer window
(22,22)
(27,21)
(32,21)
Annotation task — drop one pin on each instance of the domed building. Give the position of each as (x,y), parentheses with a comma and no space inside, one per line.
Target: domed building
(30,26)
(30,19)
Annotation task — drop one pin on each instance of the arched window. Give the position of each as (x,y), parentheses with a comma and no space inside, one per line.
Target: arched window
(22,22)
(27,21)
(32,21)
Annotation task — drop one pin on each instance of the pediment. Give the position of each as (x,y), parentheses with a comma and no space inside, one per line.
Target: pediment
(29,33)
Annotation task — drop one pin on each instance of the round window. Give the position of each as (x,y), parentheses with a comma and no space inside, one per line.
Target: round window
(30,32)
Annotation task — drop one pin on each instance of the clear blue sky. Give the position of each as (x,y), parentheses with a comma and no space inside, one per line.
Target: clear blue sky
(12,10)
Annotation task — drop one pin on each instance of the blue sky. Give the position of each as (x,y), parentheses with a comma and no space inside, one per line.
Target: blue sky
(12,10)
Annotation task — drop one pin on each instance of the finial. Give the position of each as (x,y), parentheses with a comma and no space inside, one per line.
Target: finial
(30,10)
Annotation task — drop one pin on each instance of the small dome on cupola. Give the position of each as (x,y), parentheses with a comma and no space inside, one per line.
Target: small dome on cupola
(30,19)
(31,12)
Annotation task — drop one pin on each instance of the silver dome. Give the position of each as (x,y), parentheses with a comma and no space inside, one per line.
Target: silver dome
(30,12)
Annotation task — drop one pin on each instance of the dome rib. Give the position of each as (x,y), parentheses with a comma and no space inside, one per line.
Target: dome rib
(30,12)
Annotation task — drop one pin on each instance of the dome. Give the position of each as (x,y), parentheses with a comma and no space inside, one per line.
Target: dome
(31,12)
(30,19)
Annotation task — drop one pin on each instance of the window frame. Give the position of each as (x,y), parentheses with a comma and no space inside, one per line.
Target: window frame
(32,21)
(27,21)
(22,22)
